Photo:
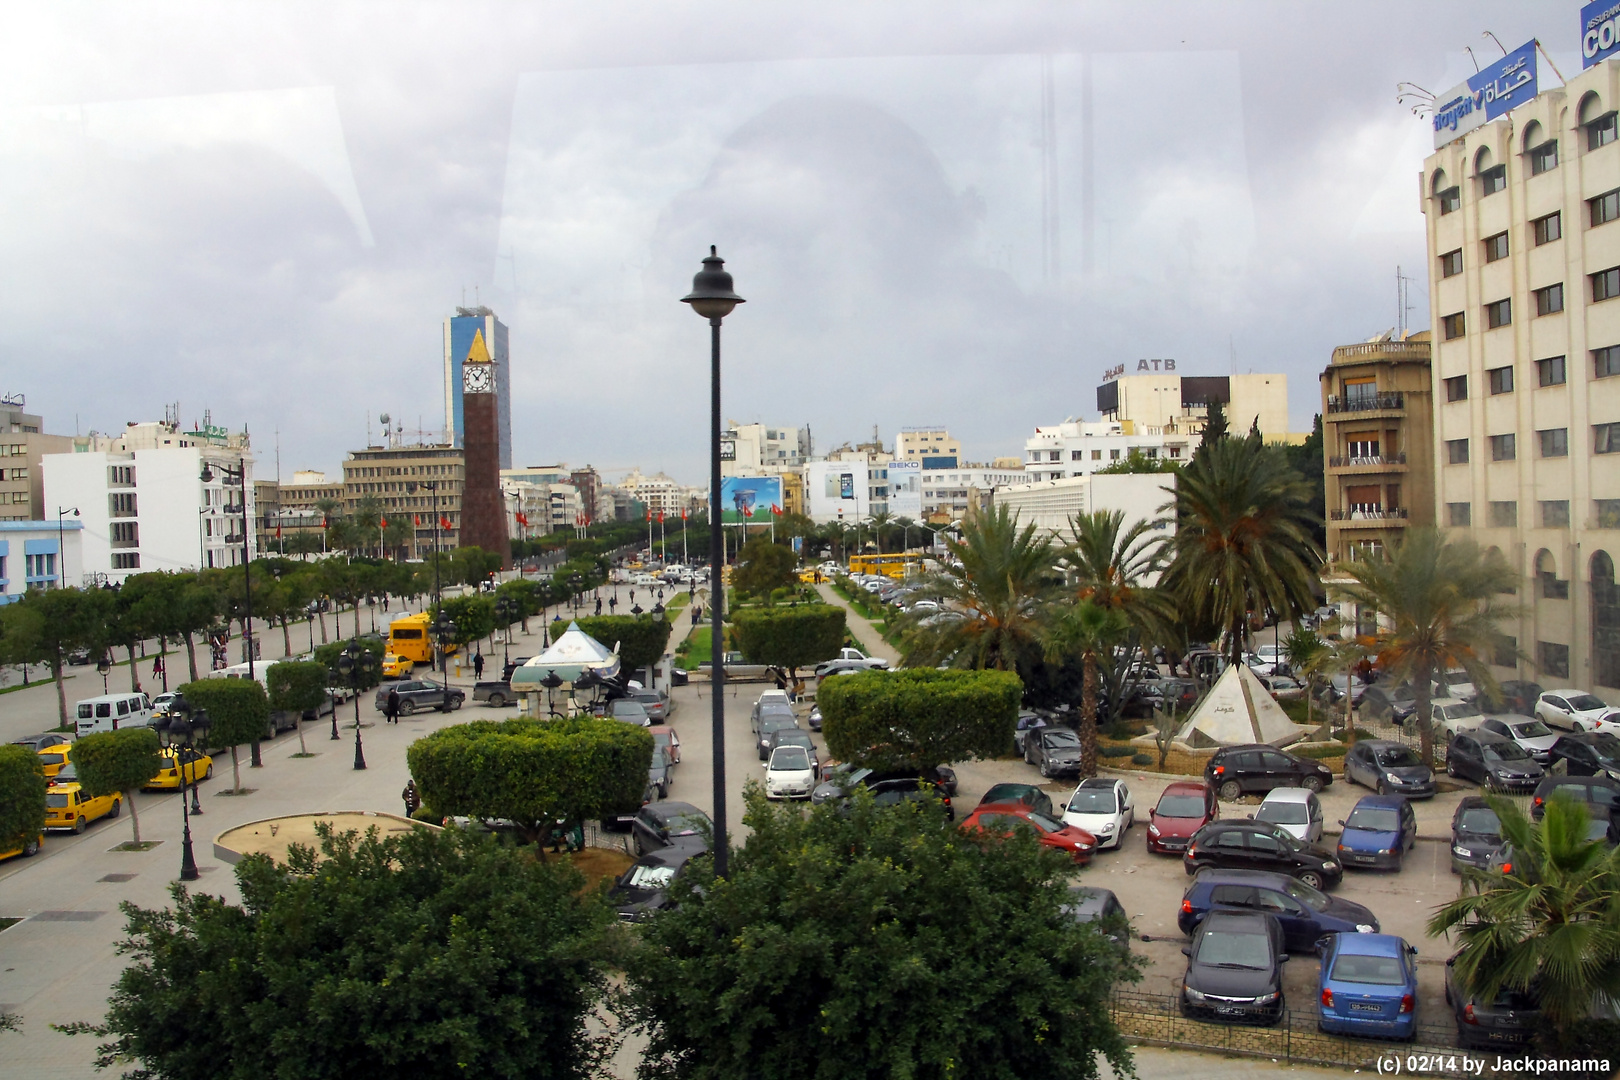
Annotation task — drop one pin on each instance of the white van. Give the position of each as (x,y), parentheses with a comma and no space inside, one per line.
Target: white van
(109,712)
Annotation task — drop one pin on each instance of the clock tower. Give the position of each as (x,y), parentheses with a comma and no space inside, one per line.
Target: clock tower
(483,507)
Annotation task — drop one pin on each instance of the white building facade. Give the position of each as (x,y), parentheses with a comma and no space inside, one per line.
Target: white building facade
(1052,504)
(1080,447)
(846,490)
(39,555)
(762,450)
(953,492)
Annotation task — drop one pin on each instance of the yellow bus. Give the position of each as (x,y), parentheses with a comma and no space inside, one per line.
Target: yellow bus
(408,638)
(896,566)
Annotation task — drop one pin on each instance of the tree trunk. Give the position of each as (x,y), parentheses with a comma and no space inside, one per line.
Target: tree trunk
(134,673)
(286,639)
(163,658)
(236,773)
(322,616)
(134,818)
(1425,720)
(61,689)
(191,655)
(302,749)
(1088,718)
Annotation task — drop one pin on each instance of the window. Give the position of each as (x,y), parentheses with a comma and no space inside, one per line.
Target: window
(1113,455)
(1456,451)
(1605,622)
(17,474)
(1507,652)
(1501,380)
(1550,372)
(1604,208)
(1492,180)
(1504,515)
(1606,362)
(39,566)
(1453,326)
(1499,313)
(1600,132)
(124,533)
(1055,455)
(1606,284)
(121,474)
(121,504)
(1451,263)
(1553,659)
(1605,438)
(1496,247)
(1547,229)
(126,560)
(1450,200)
(1457,388)
(1504,447)
(1544,158)
(1608,513)
(1366,447)
(1550,299)
(1555,514)
(1460,515)
(1096,455)
(1077,455)
(1554,442)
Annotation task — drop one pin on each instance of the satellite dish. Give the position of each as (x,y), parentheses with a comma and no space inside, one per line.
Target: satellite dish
(385,418)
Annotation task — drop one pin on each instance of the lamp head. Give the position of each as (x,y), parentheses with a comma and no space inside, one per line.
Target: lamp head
(712,296)
(207,475)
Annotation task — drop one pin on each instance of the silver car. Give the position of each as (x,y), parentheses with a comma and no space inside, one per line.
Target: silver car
(1535,737)
(1296,811)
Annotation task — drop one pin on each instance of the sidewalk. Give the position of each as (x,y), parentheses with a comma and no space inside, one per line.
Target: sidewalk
(861,629)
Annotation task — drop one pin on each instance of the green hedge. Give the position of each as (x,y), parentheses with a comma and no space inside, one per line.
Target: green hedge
(297,685)
(919,718)
(641,638)
(109,762)
(789,637)
(1116,751)
(239,709)
(22,796)
(328,655)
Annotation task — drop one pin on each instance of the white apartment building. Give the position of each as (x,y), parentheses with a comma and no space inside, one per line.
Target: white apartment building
(660,494)
(1523,224)
(762,450)
(39,555)
(1081,447)
(933,446)
(1052,504)
(953,492)
(849,488)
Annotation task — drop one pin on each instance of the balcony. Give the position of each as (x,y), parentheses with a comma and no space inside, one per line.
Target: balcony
(1366,518)
(1391,401)
(1368,462)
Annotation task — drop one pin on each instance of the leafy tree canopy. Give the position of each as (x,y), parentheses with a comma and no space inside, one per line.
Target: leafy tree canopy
(789,637)
(112,761)
(22,796)
(763,566)
(641,638)
(919,717)
(297,685)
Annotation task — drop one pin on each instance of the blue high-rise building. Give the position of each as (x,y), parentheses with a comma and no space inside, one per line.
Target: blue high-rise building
(459,331)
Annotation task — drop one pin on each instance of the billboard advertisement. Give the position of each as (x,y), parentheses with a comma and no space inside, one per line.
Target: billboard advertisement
(905,488)
(1499,88)
(749,500)
(1598,31)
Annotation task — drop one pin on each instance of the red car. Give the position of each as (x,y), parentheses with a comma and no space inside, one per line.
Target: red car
(1001,818)
(1183,809)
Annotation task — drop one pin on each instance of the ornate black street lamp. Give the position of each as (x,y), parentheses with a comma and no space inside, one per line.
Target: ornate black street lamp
(182,731)
(238,476)
(356,664)
(713,299)
(444,632)
(506,610)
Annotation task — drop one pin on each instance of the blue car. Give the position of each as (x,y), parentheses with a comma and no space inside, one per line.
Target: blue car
(1369,986)
(1378,833)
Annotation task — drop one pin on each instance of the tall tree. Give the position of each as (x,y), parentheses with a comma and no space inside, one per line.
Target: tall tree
(763,567)
(240,711)
(22,799)
(63,620)
(113,762)
(1214,427)
(882,523)
(1243,539)
(1442,600)
(1091,632)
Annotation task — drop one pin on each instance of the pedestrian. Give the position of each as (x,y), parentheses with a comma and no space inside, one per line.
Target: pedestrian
(390,707)
(478,665)
(599,605)
(413,801)
(632,596)
(613,603)
(697,614)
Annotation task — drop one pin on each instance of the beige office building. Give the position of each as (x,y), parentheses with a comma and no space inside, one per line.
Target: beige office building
(22,444)
(1166,404)
(413,480)
(1524,289)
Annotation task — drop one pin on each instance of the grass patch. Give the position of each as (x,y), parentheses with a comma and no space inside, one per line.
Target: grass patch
(8,922)
(244,791)
(302,755)
(679,601)
(144,845)
(600,864)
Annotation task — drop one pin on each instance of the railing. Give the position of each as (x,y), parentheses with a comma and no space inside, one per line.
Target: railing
(1366,459)
(1398,350)
(1396,513)
(1366,402)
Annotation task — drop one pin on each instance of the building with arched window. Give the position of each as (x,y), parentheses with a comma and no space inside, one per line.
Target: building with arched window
(1523,225)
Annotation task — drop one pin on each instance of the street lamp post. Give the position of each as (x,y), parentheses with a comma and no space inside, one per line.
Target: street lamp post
(505,612)
(239,475)
(713,299)
(433,487)
(61,545)
(182,731)
(356,664)
(444,632)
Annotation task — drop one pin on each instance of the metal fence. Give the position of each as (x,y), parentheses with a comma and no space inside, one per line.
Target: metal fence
(1293,1037)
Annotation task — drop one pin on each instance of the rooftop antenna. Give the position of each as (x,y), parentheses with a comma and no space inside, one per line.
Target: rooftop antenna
(1550,63)
(1403,303)
(384,418)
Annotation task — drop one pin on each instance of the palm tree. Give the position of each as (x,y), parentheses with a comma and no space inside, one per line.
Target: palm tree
(880,521)
(1243,538)
(1108,565)
(999,591)
(1552,925)
(1439,596)
(1091,632)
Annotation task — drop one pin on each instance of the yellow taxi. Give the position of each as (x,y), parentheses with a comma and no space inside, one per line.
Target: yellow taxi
(198,766)
(52,758)
(397,667)
(28,847)
(67,807)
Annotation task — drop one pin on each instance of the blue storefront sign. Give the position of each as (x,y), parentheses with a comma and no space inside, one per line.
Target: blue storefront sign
(1600,33)
(1494,92)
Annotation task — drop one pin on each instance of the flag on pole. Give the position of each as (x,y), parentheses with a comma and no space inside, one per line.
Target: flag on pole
(776,510)
(444,522)
(649,513)
(384,523)
(278,530)
(748,511)
(683,514)
(418,521)
(660,517)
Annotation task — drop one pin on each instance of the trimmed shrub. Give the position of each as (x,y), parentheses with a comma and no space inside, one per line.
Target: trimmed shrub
(239,709)
(789,637)
(1141,759)
(22,797)
(1116,751)
(296,685)
(641,638)
(327,655)
(110,762)
(919,718)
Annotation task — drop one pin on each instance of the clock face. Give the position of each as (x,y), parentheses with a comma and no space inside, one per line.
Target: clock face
(476,379)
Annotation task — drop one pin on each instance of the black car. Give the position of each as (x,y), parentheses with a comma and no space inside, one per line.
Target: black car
(1509,1019)
(1590,753)
(769,725)
(1389,768)
(1260,845)
(1307,915)
(511,666)
(1053,750)
(1513,696)
(1388,704)
(418,694)
(1089,905)
(1493,762)
(1257,768)
(1476,834)
(1600,794)
(643,890)
(1234,968)
(669,823)
(36,743)
(887,788)
(1026,794)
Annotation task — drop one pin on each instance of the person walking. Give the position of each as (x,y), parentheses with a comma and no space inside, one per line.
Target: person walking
(599,605)
(413,801)
(391,706)
(478,665)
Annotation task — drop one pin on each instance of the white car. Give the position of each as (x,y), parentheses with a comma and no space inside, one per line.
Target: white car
(1451,715)
(1262,665)
(1295,811)
(790,774)
(1457,684)
(1571,710)
(1103,808)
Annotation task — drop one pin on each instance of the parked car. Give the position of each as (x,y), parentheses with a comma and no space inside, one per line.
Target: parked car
(1368,986)
(1055,751)
(1513,696)
(67,807)
(1104,808)
(393,667)
(1258,845)
(1590,753)
(1306,914)
(814,719)
(1388,767)
(1100,906)
(658,773)
(1002,819)
(1570,710)
(418,694)
(1025,794)
(1492,761)
(1600,794)
(1378,832)
(1534,736)
(1284,687)
(664,738)
(1388,704)
(196,765)
(770,699)
(1508,1019)
(1295,811)
(790,773)
(1234,968)
(1183,808)
(1452,715)
(655,702)
(1456,683)
(769,726)
(1257,768)
(665,823)
(1476,834)
(628,711)
(1028,720)
(642,891)
(52,759)
(39,742)
(887,788)
(511,666)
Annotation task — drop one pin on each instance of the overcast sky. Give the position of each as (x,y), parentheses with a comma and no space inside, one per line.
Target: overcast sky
(266,211)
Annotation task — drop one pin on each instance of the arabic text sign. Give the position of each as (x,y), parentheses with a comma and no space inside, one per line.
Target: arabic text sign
(1501,87)
(1600,31)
